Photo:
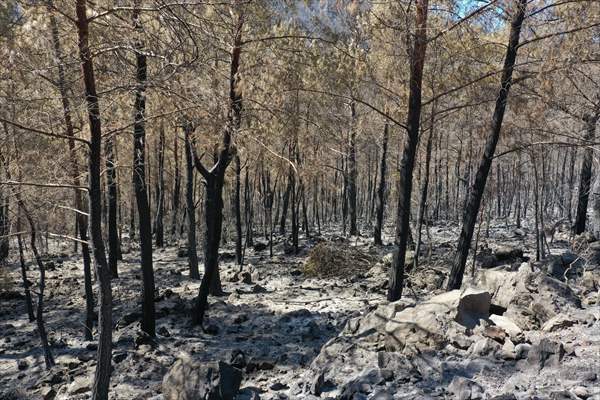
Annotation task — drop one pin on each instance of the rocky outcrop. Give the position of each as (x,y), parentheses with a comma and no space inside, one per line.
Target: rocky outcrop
(188,380)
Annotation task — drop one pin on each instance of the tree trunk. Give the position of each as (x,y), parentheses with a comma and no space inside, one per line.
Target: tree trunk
(159,230)
(472,208)
(111,185)
(585,178)
(139,180)
(103,358)
(213,202)
(410,147)
(176,187)
(192,250)
(382,184)
(424,189)
(238,211)
(352,173)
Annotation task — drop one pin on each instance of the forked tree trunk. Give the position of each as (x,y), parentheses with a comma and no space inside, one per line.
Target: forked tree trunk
(139,179)
(408,157)
(474,202)
(213,201)
(103,358)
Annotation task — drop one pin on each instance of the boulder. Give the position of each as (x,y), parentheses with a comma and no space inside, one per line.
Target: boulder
(424,325)
(545,353)
(465,389)
(506,324)
(188,380)
(558,322)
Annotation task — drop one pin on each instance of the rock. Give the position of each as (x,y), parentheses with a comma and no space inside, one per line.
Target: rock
(508,350)
(317,385)
(278,386)
(119,357)
(558,322)
(506,324)
(545,353)
(522,350)
(248,393)
(504,397)
(238,359)
(563,395)
(142,338)
(188,380)
(246,277)
(47,393)
(495,333)
(581,391)
(163,331)
(259,289)
(465,389)
(424,325)
(22,365)
(259,246)
(484,347)
(383,395)
(79,385)
(211,329)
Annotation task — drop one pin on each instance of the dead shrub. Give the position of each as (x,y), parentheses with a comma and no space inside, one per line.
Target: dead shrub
(329,259)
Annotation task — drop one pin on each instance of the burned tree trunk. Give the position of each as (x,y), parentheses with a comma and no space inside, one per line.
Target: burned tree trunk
(192,251)
(111,185)
(474,202)
(215,177)
(159,230)
(139,180)
(585,177)
(176,187)
(382,184)
(103,368)
(238,211)
(81,218)
(352,173)
(410,147)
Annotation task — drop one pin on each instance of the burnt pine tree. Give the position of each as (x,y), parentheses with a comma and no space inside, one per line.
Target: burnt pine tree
(215,176)
(585,177)
(103,367)
(382,184)
(476,194)
(192,251)
(410,147)
(81,218)
(139,179)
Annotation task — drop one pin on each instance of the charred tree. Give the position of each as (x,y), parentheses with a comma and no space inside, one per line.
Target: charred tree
(382,185)
(192,251)
(215,177)
(410,147)
(478,188)
(81,218)
(139,179)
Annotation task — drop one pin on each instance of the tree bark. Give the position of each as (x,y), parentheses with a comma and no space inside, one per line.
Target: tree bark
(80,219)
(474,202)
(410,147)
(352,172)
(585,177)
(159,230)
(192,250)
(215,177)
(139,179)
(382,184)
(103,367)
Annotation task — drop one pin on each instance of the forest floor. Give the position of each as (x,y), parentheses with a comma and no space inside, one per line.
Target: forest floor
(280,325)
